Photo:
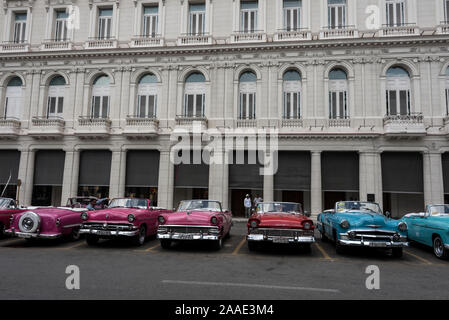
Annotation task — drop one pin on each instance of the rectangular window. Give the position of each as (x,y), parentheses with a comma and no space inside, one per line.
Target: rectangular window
(447,102)
(336,12)
(150,21)
(446,11)
(398,102)
(395,13)
(197,19)
(292,105)
(104,23)
(194,105)
(55,107)
(248,16)
(292,14)
(147,106)
(100,107)
(338,105)
(20,21)
(61,30)
(247,106)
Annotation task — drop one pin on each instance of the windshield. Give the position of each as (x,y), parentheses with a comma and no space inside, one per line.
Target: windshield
(82,201)
(129,203)
(199,205)
(286,207)
(5,203)
(358,206)
(439,209)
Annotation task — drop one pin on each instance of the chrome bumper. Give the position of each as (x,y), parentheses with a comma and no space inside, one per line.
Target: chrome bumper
(26,235)
(280,239)
(187,236)
(109,233)
(374,244)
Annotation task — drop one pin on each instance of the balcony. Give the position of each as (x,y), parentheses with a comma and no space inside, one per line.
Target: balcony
(339,32)
(246,123)
(194,39)
(407,126)
(245,36)
(147,41)
(339,123)
(100,43)
(11,46)
(57,45)
(409,29)
(47,127)
(93,128)
(291,124)
(191,122)
(140,127)
(293,35)
(443,28)
(9,128)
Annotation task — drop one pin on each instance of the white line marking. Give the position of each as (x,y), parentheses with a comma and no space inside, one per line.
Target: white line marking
(247,285)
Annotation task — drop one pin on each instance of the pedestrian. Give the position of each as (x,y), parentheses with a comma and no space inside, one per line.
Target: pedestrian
(247,205)
(257,200)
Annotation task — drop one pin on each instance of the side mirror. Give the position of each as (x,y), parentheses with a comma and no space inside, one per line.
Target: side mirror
(388,214)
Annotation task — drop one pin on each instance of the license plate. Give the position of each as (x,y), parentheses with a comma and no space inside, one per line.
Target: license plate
(377,244)
(186,236)
(280,240)
(103,233)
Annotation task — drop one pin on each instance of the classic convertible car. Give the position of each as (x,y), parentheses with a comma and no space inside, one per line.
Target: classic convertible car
(355,223)
(280,222)
(82,202)
(8,207)
(46,223)
(195,220)
(431,228)
(125,217)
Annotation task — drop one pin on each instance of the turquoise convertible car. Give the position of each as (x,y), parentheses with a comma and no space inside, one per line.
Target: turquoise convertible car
(431,228)
(362,224)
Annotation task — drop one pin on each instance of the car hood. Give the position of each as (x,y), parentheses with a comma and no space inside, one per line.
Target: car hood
(113,214)
(190,218)
(281,220)
(51,212)
(362,219)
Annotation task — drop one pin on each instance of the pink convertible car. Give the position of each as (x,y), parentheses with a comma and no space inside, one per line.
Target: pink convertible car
(195,220)
(8,207)
(125,217)
(46,223)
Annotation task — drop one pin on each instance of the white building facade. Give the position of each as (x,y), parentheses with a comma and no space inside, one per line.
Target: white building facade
(91,92)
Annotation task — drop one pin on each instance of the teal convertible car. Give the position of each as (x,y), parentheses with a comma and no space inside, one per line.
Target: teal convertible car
(362,224)
(431,228)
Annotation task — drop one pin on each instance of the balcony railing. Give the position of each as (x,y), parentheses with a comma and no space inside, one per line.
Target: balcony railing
(291,123)
(337,32)
(249,36)
(100,43)
(293,35)
(339,123)
(137,126)
(412,118)
(43,127)
(9,127)
(56,45)
(95,128)
(12,46)
(406,29)
(48,121)
(246,123)
(409,125)
(93,122)
(147,41)
(194,39)
(189,121)
(443,28)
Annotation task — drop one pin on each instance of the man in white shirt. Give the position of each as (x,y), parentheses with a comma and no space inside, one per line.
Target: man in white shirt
(247,205)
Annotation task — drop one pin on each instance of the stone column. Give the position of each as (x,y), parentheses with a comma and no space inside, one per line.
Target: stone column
(166,180)
(370,175)
(70,177)
(114,185)
(26,175)
(268,178)
(315,186)
(433,178)
(216,177)
(122,180)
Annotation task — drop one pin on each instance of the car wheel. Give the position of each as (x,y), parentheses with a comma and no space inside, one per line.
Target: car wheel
(397,252)
(218,244)
(75,234)
(92,240)
(252,246)
(140,238)
(165,244)
(438,248)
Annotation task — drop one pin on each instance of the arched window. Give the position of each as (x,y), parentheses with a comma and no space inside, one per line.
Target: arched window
(292,94)
(398,91)
(247,89)
(14,99)
(100,97)
(446,86)
(338,94)
(147,96)
(55,101)
(195,95)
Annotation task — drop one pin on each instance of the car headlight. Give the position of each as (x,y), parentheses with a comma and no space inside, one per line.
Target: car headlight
(402,226)
(254,223)
(131,217)
(344,224)
(161,219)
(84,215)
(214,220)
(351,234)
(307,225)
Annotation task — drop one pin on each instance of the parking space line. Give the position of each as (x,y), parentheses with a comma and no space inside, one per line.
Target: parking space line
(78,244)
(323,252)
(418,257)
(240,245)
(152,248)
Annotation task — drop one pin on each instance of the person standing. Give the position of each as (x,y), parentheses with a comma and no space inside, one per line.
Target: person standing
(257,200)
(247,205)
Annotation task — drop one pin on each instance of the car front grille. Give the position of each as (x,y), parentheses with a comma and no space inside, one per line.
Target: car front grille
(188,229)
(108,226)
(375,235)
(283,232)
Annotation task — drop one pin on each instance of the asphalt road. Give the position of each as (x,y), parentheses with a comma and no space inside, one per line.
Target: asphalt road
(118,270)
